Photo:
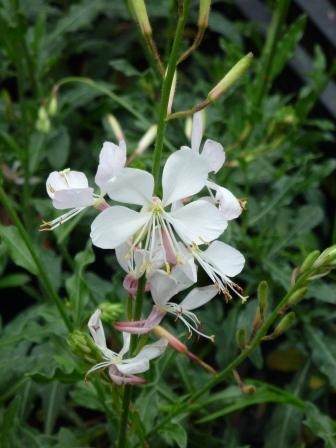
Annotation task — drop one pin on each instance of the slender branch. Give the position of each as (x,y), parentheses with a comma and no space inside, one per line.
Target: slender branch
(165,92)
(198,39)
(43,275)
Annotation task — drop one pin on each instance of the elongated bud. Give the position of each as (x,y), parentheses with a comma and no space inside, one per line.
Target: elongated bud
(296,297)
(43,122)
(138,8)
(309,260)
(111,312)
(263,298)
(231,77)
(285,323)
(172,93)
(328,256)
(203,13)
(114,125)
(52,105)
(241,338)
(248,389)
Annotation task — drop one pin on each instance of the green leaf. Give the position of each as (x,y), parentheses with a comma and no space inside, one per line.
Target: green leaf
(174,435)
(17,248)
(13,280)
(321,425)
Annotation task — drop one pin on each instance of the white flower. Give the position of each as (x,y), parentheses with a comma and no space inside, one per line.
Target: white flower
(70,189)
(163,287)
(122,370)
(221,261)
(198,222)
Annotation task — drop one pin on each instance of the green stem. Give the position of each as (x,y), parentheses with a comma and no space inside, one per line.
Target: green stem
(122,440)
(269,51)
(43,275)
(236,362)
(165,92)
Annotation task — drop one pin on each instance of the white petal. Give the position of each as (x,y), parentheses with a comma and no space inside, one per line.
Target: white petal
(133,365)
(162,287)
(214,153)
(126,344)
(115,225)
(228,260)
(112,159)
(184,174)
(198,222)
(140,363)
(131,186)
(183,276)
(198,297)
(65,180)
(123,254)
(73,198)
(197,131)
(228,204)
(97,330)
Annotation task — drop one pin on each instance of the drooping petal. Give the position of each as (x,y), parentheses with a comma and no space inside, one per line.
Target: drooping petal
(198,297)
(141,326)
(214,154)
(228,260)
(162,287)
(115,225)
(182,275)
(184,174)
(197,131)
(112,159)
(65,180)
(132,186)
(73,198)
(198,222)
(126,344)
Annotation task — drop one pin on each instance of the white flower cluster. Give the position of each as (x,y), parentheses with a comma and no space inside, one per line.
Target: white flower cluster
(166,239)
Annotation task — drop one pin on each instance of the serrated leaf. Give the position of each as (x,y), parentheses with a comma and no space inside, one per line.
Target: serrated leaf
(17,248)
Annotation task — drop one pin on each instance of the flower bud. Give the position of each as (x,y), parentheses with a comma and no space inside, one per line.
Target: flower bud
(309,260)
(286,322)
(296,297)
(82,345)
(203,13)
(241,338)
(43,122)
(114,125)
(110,312)
(231,77)
(138,8)
(146,140)
(248,389)
(52,105)
(328,256)
(263,298)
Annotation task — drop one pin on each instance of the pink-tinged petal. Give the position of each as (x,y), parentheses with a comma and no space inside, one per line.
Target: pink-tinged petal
(141,326)
(132,186)
(115,225)
(197,131)
(214,154)
(162,287)
(228,260)
(73,198)
(65,180)
(112,159)
(96,329)
(119,378)
(198,222)
(184,174)
(130,283)
(228,204)
(198,297)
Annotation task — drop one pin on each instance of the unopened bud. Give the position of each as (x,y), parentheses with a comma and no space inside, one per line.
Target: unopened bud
(172,340)
(52,105)
(309,260)
(82,345)
(328,256)
(203,13)
(286,322)
(138,8)
(172,93)
(114,124)
(146,140)
(248,389)
(110,312)
(43,122)
(263,298)
(296,297)
(231,77)
(241,338)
